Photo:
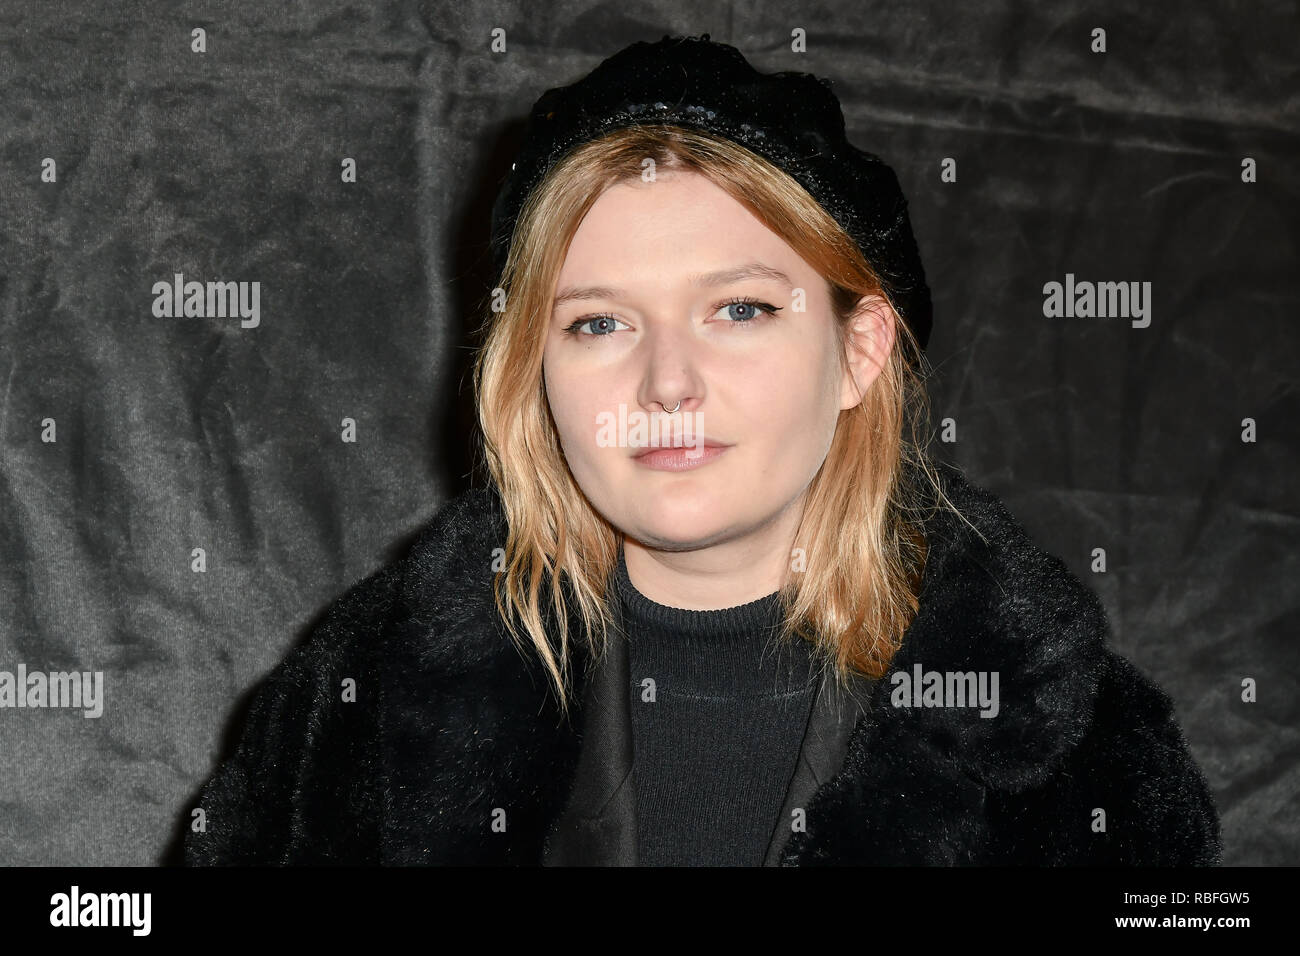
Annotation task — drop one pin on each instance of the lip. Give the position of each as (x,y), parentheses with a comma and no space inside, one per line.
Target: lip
(679,458)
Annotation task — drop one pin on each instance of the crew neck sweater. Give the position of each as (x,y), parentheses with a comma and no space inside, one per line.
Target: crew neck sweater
(719,710)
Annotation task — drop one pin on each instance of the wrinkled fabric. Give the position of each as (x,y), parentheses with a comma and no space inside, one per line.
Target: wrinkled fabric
(176,434)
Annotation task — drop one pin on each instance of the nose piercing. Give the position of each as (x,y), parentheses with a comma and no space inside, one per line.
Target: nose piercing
(670,410)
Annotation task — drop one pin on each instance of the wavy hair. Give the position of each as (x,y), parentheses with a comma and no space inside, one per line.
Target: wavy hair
(857,591)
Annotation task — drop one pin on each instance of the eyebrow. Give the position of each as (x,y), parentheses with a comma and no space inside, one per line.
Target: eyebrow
(750,270)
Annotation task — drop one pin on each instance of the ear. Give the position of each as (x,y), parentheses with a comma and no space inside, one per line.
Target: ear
(869,339)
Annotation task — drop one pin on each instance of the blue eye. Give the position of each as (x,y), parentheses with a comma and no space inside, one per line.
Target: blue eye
(751,312)
(607,326)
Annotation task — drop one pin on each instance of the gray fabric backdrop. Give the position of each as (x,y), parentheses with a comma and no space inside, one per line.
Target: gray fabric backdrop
(180,433)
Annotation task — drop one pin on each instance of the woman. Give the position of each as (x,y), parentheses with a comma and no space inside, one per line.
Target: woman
(716,606)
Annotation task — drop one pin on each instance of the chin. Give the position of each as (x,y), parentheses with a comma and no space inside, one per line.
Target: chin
(657,541)
(680,529)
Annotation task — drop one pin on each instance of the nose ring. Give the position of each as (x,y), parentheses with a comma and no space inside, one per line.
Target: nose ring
(670,410)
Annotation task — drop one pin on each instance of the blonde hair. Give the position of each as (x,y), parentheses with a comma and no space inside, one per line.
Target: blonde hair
(861,522)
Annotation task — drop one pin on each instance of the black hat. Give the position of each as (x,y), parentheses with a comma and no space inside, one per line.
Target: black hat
(791,119)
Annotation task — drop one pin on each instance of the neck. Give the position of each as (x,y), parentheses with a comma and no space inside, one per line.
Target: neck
(723,575)
(725,654)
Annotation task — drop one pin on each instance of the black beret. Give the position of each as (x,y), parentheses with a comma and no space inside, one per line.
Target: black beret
(791,119)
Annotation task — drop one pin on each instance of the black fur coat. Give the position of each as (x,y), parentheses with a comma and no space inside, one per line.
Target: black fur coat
(452,750)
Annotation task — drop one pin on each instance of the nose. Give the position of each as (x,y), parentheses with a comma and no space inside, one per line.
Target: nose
(671,377)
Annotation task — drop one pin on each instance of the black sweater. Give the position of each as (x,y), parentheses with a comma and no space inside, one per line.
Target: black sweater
(717,733)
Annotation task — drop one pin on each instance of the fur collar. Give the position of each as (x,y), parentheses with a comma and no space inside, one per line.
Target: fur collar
(472,735)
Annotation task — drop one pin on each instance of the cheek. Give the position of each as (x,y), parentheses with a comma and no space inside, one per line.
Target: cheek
(575,404)
(568,422)
(792,391)
(795,411)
